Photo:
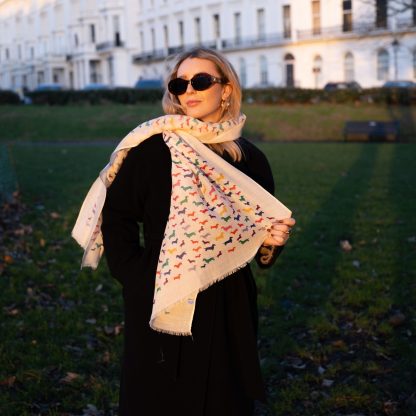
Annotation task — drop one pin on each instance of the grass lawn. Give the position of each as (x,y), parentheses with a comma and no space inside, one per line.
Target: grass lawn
(320,122)
(338,326)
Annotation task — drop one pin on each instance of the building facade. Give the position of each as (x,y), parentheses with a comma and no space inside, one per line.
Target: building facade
(302,43)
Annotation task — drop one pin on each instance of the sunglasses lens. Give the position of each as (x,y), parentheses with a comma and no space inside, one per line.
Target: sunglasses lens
(201,82)
(177,86)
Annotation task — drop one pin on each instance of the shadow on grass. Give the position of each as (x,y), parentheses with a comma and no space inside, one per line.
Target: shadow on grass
(306,318)
(402,383)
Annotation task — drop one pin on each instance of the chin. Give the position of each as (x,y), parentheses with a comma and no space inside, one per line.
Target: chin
(211,118)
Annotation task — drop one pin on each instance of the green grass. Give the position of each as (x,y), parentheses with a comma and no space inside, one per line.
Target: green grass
(320,122)
(325,314)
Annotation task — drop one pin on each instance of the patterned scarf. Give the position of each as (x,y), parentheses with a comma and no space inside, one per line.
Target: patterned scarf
(219,217)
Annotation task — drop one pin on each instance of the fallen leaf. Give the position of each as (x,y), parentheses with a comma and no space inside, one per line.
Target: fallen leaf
(11,311)
(356,264)
(397,319)
(117,329)
(327,383)
(69,378)
(321,370)
(106,357)
(339,344)
(8,259)
(9,381)
(345,245)
(54,215)
(411,239)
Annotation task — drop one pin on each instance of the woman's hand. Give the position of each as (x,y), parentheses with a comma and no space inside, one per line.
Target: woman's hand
(280,232)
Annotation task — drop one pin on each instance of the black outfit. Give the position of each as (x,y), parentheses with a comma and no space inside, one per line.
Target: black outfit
(215,372)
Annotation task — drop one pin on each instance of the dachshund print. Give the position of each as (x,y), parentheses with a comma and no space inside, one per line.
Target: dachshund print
(208,260)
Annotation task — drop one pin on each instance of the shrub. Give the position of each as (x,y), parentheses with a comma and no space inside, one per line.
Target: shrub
(116,95)
(389,96)
(9,97)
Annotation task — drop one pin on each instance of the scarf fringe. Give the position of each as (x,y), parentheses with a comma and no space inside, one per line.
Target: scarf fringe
(201,289)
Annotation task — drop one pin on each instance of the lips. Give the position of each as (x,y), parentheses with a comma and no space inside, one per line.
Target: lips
(192,103)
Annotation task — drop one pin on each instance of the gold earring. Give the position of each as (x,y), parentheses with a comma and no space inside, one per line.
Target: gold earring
(225,104)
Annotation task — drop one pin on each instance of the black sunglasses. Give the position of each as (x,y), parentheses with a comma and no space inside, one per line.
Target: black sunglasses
(199,82)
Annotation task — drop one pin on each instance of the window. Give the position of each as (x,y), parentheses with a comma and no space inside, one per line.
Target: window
(181,33)
(76,41)
(317,70)
(349,67)
(7,54)
(316,17)
(198,30)
(237,27)
(347,15)
(287,26)
(263,70)
(414,12)
(381,13)
(32,52)
(142,40)
(261,24)
(216,21)
(153,35)
(95,76)
(19,52)
(116,29)
(243,72)
(382,65)
(166,36)
(92,33)
(289,70)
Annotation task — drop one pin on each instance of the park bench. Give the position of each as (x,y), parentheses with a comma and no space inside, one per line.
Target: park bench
(371,131)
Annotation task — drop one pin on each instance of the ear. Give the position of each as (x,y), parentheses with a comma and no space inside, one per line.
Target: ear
(226,91)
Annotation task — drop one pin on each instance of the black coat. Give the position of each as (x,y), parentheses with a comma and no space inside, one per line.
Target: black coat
(215,372)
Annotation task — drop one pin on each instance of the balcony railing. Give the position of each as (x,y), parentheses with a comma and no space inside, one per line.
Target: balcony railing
(222,44)
(362,28)
(269,39)
(160,54)
(406,24)
(105,46)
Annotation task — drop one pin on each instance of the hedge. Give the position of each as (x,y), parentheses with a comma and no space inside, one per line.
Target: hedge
(9,97)
(389,96)
(116,95)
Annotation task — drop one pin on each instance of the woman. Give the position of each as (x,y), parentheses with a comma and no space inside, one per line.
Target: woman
(203,221)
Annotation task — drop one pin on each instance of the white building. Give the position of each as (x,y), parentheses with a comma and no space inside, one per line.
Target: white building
(303,43)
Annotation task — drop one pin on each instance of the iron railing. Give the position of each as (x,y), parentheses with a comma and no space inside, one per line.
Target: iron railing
(362,28)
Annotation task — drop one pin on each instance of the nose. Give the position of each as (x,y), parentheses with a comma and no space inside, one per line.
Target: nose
(189,88)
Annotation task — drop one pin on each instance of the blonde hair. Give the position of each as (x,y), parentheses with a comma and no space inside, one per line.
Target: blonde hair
(230,109)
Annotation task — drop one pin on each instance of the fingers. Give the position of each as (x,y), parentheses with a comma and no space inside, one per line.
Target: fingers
(288,221)
(279,232)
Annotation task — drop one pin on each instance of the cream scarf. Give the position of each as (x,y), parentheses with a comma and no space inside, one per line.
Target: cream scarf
(219,217)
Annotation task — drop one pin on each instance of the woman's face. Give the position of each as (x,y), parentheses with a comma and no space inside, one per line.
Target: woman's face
(204,105)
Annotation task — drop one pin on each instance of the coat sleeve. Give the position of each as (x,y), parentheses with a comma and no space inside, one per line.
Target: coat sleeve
(121,213)
(260,171)
(139,194)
